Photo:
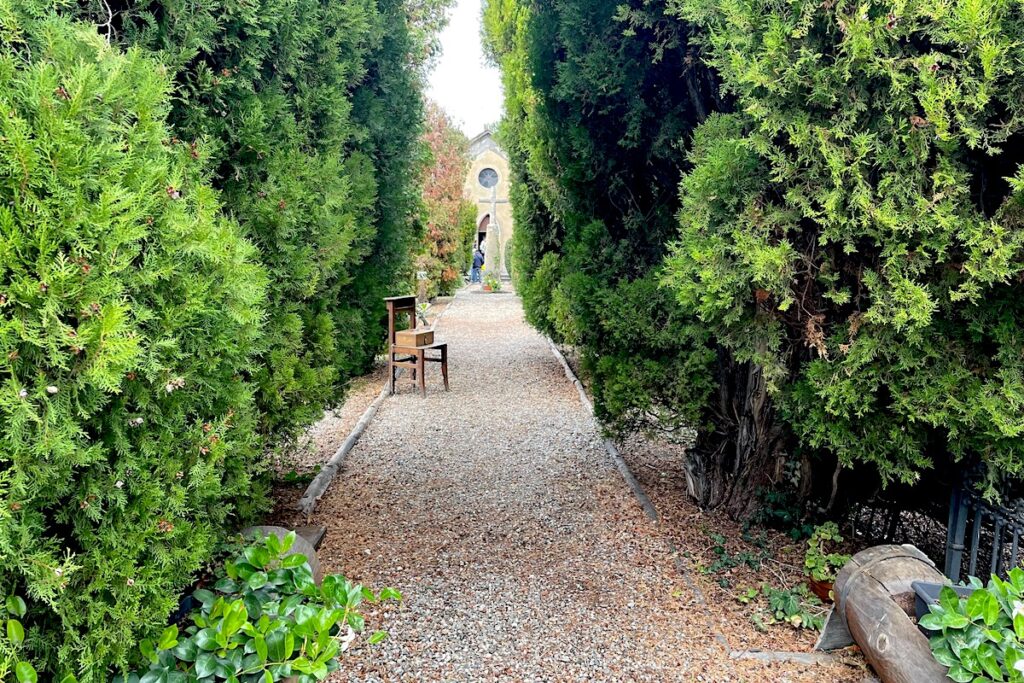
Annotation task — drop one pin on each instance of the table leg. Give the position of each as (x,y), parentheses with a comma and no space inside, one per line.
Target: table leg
(444,366)
(391,372)
(421,368)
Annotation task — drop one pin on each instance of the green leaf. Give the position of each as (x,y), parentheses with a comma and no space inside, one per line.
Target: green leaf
(146,647)
(390,594)
(257,556)
(16,606)
(168,639)
(288,541)
(206,664)
(186,650)
(356,621)
(960,674)
(206,639)
(25,673)
(949,599)
(292,561)
(1016,577)
(1018,626)
(1011,655)
(234,618)
(377,637)
(944,656)
(982,604)
(988,661)
(260,644)
(969,660)
(275,644)
(257,580)
(273,544)
(954,621)
(15,631)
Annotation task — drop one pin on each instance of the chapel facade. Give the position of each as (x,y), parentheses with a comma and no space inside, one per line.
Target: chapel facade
(487,186)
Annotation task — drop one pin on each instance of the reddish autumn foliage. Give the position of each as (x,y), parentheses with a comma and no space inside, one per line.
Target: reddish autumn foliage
(448,216)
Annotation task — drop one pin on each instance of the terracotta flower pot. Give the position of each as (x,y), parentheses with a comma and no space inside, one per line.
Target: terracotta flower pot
(487,288)
(823,589)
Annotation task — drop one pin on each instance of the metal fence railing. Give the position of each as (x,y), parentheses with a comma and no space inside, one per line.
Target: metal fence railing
(982,538)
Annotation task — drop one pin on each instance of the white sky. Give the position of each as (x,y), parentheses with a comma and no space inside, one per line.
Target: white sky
(462,82)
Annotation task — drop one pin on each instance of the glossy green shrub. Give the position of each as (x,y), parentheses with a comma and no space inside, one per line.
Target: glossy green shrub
(980,638)
(129,313)
(265,620)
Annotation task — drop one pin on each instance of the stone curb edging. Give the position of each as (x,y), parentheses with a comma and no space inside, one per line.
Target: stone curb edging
(613,451)
(638,492)
(325,476)
(316,489)
(644,500)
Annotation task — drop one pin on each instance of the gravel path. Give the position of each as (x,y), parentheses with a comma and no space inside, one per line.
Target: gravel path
(521,553)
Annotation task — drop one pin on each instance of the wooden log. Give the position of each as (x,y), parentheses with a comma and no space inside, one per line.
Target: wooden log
(873,595)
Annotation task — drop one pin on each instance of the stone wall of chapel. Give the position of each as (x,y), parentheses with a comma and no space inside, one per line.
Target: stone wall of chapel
(488,155)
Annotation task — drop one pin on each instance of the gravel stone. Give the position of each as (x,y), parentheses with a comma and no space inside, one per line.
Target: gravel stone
(520,551)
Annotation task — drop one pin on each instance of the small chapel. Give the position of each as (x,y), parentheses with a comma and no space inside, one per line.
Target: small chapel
(487,186)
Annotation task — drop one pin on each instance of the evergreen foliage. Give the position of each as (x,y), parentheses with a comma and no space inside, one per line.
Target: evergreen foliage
(201,208)
(599,97)
(856,228)
(273,86)
(130,309)
(846,280)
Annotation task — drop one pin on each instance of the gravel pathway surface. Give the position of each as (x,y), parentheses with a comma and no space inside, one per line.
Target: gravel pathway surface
(521,553)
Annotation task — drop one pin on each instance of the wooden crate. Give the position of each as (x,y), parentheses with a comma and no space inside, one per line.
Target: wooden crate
(417,337)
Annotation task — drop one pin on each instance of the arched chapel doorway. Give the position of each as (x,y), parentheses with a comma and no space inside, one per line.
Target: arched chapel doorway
(481,230)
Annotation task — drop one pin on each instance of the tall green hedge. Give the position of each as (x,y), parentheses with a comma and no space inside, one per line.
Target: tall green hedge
(845,286)
(600,98)
(130,310)
(856,229)
(202,206)
(271,85)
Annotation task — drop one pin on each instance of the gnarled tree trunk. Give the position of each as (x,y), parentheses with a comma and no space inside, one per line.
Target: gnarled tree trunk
(744,454)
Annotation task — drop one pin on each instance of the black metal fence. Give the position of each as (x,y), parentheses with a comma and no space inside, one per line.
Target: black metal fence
(982,538)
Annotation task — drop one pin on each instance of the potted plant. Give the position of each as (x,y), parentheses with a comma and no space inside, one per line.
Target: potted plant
(978,635)
(491,283)
(821,563)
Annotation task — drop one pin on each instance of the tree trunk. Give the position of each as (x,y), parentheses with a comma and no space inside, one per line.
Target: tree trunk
(743,456)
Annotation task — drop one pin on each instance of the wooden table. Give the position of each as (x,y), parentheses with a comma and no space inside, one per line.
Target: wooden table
(414,358)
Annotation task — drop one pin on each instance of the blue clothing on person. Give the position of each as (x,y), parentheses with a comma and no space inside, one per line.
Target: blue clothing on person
(478,262)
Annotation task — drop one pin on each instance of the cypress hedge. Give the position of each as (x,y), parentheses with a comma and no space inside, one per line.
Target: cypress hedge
(201,208)
(792,227)
(130,311)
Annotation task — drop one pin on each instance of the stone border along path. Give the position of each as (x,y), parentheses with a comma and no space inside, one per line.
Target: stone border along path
(521,552)
(806,658)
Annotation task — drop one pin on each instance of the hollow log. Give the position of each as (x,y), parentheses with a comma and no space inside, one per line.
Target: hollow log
(874,599)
